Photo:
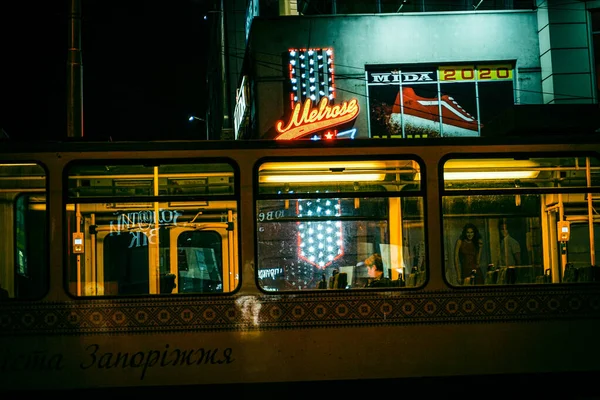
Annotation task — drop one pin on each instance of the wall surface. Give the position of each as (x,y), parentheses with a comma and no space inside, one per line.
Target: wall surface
(418,38)
(565,52)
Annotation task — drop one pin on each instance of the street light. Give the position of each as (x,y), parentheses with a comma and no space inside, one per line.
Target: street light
(193,117)
(212,12)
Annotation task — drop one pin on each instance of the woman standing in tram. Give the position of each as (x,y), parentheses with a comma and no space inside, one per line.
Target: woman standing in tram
(467,254)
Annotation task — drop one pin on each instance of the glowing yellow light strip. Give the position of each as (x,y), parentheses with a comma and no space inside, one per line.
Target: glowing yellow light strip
(490,175)
(321,178)
(296,166)
(489,169)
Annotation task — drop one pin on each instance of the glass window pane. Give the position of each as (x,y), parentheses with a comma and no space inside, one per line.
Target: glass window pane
(152,230)
(23,223)
(318,229)
(521,220)
(486,235)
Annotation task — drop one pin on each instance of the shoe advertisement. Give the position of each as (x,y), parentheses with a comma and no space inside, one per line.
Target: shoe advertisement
(443,101)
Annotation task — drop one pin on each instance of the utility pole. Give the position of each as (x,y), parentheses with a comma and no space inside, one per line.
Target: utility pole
(74,73)
(227,126)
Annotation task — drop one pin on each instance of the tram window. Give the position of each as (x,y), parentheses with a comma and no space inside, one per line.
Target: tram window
(23,221)
(502,219)
(318,221)
(152,229)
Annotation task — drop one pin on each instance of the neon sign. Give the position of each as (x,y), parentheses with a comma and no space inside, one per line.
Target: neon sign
(306,119)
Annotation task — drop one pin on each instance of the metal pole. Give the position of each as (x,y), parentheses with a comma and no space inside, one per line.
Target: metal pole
(206,128)
(226,113)
(588,177)
(74,73)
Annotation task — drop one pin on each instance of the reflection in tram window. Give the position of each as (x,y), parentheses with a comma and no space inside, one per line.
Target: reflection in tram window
(318,221)
(23,227)
(537,216)
(126,269)
(152,230)
(490,214)
(199,262)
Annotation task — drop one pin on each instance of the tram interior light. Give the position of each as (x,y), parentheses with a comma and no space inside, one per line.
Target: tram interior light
(18,165)
(490,169)
(331,177)
(489,175)
(331,171)
(326,165)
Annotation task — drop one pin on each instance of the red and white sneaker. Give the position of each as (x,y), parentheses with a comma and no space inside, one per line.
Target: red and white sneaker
(423,113)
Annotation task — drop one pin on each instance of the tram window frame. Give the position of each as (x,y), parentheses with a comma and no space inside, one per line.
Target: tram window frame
(32,284)
(188,195)
(296,176)
(542,177)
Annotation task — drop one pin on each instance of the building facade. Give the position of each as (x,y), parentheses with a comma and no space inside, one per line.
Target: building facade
(375,68)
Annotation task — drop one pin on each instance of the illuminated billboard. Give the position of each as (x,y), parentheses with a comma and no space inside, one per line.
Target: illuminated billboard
(420,101)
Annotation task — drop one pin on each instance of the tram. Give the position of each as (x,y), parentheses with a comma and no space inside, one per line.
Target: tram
(209,264)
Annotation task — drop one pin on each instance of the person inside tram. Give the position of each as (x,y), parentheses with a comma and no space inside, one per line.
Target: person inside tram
(374,264)
(510,249)
(331,283)
(467,255)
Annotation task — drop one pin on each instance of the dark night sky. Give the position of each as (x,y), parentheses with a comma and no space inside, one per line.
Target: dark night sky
(143,68)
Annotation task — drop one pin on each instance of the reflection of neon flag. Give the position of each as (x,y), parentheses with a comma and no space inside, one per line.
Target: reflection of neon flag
(320,242)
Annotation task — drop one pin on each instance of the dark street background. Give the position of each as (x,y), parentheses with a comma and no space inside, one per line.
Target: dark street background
(143,68)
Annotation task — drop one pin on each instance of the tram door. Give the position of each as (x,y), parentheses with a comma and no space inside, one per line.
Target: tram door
(201,259)
(24,231)
(572,233)
(124,259)
(123,266)
(189,261)
(578,247)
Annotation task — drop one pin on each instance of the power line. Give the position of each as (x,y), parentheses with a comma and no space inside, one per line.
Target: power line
(361,76)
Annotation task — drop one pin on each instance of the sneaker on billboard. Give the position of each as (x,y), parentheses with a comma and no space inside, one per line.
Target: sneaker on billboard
(424,113)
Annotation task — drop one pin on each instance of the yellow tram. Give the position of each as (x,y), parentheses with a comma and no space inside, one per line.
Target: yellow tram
(204,264)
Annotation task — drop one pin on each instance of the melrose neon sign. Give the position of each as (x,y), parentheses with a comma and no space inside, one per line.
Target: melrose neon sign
(306,119)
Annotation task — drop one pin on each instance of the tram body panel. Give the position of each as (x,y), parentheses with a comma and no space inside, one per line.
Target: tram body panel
(301,354)
(230,228)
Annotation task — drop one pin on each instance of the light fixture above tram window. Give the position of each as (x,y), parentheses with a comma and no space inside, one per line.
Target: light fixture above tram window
(329,171)
(321,177)
(490,169)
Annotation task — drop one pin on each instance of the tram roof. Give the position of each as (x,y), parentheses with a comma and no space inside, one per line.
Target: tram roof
(84,145)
